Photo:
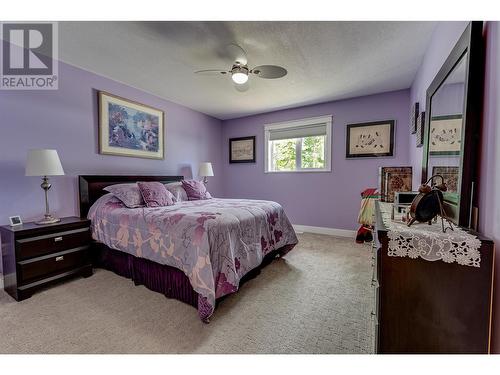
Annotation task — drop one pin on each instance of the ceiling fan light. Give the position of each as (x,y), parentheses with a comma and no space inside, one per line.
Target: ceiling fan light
(239,78)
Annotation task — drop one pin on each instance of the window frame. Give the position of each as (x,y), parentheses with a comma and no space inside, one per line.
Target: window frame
(327,120)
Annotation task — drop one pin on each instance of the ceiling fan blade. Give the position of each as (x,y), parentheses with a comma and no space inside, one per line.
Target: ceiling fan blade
(241,88)
(269,71)
(237,53)
(211,72)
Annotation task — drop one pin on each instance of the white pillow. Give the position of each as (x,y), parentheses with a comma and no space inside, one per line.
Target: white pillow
(177,191)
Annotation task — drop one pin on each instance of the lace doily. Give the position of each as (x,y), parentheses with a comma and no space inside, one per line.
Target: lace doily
(429,242)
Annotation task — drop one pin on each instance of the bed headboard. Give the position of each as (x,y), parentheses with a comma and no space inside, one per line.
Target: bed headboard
(91,186)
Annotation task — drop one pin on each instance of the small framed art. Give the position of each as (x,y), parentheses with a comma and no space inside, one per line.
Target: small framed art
(242,150)
(414,111)
(15,221)
(370,139)
(128,128)
(419,136)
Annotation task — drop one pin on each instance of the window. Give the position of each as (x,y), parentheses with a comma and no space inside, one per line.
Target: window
(299,146)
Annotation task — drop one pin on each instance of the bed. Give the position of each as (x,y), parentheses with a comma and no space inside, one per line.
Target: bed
(195,251)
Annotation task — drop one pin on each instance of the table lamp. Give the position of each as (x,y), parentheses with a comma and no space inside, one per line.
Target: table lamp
(205,171)
(44,163)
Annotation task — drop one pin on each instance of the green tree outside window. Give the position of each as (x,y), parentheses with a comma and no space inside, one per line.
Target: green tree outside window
(311,150)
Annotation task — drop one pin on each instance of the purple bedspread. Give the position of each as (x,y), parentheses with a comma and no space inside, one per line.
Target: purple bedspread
(215,242)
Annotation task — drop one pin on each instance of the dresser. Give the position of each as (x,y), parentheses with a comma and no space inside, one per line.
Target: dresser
(35,256)
(423,306)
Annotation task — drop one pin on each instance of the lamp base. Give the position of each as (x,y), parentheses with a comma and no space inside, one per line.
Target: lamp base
(48,219)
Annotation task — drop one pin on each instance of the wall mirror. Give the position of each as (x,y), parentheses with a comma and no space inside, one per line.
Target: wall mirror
(453,108)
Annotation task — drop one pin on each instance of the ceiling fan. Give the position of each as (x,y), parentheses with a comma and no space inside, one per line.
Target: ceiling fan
(240,72)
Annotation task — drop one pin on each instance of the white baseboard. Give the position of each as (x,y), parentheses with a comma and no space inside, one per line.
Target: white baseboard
(323,230)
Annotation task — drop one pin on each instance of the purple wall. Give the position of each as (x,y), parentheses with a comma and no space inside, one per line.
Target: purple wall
(489,200)
(66,119)
(323,199)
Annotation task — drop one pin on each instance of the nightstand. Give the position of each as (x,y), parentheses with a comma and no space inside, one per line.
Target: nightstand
(35,256)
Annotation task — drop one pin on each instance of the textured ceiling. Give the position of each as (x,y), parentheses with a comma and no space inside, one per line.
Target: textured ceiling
(325,60)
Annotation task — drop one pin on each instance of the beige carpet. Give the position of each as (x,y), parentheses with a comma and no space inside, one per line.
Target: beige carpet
(317,299)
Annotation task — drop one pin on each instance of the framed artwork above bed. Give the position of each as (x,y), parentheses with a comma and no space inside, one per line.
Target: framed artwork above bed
(128,128)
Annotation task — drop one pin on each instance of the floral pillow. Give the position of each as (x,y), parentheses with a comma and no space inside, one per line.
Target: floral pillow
(155,194)
(129,194)
(195,190)
(177,191)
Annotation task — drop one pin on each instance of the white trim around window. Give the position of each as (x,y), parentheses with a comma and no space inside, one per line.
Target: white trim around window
(298,126)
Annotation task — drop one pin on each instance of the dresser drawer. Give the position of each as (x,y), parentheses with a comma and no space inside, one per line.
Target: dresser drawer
(36,246)
(48,265)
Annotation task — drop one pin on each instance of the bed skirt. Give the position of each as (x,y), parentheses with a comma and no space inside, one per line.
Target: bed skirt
(167,280)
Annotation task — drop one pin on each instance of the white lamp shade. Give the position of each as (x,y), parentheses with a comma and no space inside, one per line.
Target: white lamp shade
(205,170)
(43,163)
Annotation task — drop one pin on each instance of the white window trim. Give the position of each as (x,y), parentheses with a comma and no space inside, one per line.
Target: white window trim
(306,121)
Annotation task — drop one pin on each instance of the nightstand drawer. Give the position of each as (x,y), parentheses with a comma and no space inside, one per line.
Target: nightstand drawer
(36,246)
(48,265)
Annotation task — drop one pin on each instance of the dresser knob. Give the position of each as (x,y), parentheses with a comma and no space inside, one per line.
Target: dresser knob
(58,239)
(58,259)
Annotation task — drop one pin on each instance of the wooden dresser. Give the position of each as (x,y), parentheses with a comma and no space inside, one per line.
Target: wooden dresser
(35,256)
(426,306)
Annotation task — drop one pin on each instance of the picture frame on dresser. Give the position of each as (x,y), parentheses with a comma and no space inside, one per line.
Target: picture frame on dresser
(450,176)
(393,179)
(15,220)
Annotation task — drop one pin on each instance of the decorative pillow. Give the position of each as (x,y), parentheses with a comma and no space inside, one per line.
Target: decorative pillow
(177,191)
(129,194)
(195,190)
(155,194)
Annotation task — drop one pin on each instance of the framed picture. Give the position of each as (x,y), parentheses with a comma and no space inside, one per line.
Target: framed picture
(15,221)
(420,129)
(445,135)
(127,128)
(392,179)
(242,150)
(414,112)
(370,139)
(450,175)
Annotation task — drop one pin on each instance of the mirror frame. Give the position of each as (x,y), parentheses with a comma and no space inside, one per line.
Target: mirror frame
(471,42)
